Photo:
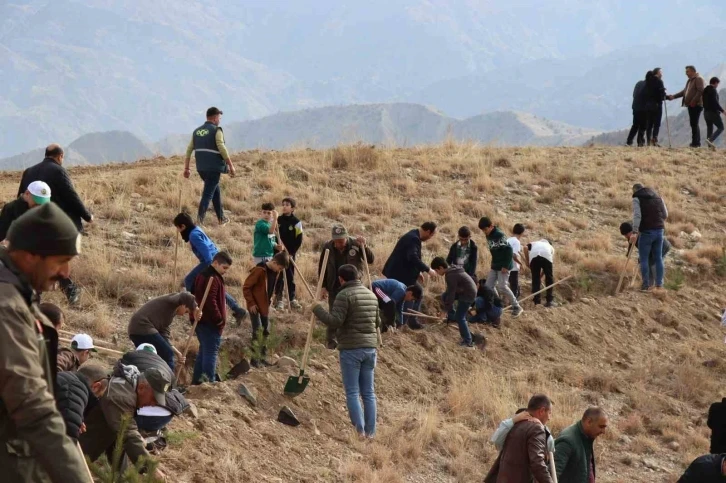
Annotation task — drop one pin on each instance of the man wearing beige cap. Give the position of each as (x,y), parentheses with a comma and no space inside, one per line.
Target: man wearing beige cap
(33,441)
(344,250)
(38,193)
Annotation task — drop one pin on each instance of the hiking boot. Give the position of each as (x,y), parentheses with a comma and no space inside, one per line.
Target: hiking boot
(711,145)
(223,221)
(414,325)
(467,345)
(295,304)
(280,305)
(517,311)
(551,303)
(644,288)
(73,294)
(239,316)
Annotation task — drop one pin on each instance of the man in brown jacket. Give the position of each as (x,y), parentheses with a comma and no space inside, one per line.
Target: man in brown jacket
(522,459)
(692,96)
(69,360)
(34,446)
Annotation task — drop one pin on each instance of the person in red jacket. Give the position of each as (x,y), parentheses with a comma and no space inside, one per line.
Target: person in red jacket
(214,315)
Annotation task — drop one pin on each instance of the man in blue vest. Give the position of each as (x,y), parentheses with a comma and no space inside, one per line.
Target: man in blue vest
(212,159)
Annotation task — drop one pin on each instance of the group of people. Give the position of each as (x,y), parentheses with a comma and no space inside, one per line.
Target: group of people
(649,95)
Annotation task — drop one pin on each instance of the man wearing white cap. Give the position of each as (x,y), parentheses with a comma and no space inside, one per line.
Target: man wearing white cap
(80,351)
(38,193)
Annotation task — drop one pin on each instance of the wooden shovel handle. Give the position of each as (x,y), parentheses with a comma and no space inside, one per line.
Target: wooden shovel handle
(309,340)
(194,326)
(540,291)
(97,347)
(370,287)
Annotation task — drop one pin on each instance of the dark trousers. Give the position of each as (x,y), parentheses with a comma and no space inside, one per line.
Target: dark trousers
(152,423)
(539,265)
(514,282)
(640,121)
(653,124)
(694,115)
(162,346)
(210,192)
(260,322)
(279,288)
(713,119)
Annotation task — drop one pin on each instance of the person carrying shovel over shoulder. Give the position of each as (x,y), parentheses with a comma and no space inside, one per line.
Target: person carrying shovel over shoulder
(354,317)
(257,289)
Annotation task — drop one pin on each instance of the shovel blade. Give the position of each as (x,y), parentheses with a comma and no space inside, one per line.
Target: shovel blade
(296,385)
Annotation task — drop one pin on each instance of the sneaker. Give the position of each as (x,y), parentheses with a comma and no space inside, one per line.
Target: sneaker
(551,303)
(468,345)
(239,316)
(645,288)
(295,304)
(280,305)
(711,145)
(223,221)
(517,311)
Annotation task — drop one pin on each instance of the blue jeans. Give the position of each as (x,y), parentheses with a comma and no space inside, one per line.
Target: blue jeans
(206,364)
(357,366)
(189,286)
(414,305)
(485,312)
(210,192)
(152,423)
(162,346)
(458,313)
(651,241)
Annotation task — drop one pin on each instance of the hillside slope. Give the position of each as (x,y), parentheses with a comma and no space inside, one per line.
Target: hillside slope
(654,363)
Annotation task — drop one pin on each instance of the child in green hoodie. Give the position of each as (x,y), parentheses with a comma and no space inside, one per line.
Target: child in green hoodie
(502,263)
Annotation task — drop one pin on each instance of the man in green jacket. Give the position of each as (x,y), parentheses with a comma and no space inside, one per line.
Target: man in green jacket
(34,446)
(502,263)
(574,455)
(354,316)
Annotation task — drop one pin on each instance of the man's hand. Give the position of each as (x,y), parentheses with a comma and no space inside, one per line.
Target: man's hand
(669,97)
(252,309)
(633,238)
(159,475)
(523,416)
(82,429)
(5,243)
(91,220)
(505,270)
(279,247)
(361,241)
(187,173)
(232,171)
(432,273)
(323,293)
(198,314)
(275,214)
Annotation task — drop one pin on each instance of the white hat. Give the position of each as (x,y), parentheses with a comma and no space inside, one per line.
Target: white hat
(40,192)
(146,347)
(82,342)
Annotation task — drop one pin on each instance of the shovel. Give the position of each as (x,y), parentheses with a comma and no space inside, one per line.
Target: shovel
(631,249)
(194,327)
(296,384)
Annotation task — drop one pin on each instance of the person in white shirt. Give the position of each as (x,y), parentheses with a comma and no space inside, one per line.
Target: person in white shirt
(500,435)
(516,244)
(541,257)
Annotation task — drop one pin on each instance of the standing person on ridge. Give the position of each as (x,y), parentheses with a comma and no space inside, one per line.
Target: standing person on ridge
(639,113)
(692,96)
(655,94)
(464,253)
(212,160)
(502,263)
(405,264)
(712,112)
(63,194)
(291,237)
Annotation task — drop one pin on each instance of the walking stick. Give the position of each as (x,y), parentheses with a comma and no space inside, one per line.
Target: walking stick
(176,246)
(85,463)
(194,327)
(370,287)
(540,291)
(631,249)
(668,124)
(553,469)
(286,294)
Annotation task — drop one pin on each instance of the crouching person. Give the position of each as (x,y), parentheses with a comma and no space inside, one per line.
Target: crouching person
(460,293)
(487,306)
(77,394)
(354,317)
(127,391)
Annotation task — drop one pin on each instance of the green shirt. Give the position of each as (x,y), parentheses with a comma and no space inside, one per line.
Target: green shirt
(264,241)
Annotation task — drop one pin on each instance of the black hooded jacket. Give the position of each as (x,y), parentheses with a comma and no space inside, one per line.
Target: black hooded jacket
(71,398)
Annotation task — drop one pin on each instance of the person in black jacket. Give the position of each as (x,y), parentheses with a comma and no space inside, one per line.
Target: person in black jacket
(654,96)
(291,235)
(464,253)
(712,112)
(649,216)
(76,393)
(405,264)
(63,193)
(717,423)
(639,113)
(38,193)
(710,468)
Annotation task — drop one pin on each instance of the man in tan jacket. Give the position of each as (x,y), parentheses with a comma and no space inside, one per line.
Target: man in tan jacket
(522,459)
(34,446)
(692,96)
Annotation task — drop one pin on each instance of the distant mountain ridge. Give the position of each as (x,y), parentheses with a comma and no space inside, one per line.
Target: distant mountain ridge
(383,124)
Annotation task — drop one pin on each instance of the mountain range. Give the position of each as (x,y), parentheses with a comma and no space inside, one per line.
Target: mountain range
(72,67)
(383,124)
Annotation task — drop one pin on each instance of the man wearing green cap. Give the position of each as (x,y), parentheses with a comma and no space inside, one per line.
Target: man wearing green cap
(38,193)
(33,441)
(128,390)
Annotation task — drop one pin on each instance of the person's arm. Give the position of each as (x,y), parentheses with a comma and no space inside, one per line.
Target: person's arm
(273,224)
(196,240)
(451,257)
(637,215)
(211,305)
(536,447)
(500,435)
(116,417)
(473,260)
(29,402)
(665,209)
(563,451)
(5,220)
(69,194)
(694,473)
(698,87)
(23,183)
(188,157)
(449,296)
(298,239)
(338,314)
(248,288)
(413,256)
(678,95)
(222,148)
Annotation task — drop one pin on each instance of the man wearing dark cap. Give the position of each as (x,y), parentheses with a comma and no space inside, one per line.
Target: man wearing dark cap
(344,250)
(33,441)
(212,159)
(52,172)
(649,217)
(128,390)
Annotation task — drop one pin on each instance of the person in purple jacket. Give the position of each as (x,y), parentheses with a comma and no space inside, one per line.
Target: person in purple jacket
(205,250)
